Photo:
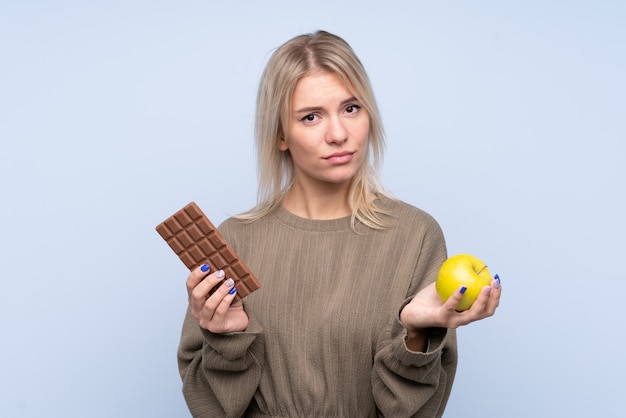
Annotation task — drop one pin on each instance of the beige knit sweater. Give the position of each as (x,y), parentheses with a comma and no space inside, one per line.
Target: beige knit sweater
(324,338)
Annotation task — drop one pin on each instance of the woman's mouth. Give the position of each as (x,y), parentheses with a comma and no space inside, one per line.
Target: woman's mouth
(340,157)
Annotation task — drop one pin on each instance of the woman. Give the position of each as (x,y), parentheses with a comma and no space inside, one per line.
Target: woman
(347,322)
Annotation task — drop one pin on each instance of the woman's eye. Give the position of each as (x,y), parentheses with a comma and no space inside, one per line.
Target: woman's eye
(309,118)
(352,108)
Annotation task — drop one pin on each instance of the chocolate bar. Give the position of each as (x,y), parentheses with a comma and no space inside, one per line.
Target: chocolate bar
(197,241)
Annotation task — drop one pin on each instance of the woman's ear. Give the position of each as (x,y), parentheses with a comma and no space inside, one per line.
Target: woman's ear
(282,144)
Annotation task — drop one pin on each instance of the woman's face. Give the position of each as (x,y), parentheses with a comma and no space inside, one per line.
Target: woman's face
(328,131)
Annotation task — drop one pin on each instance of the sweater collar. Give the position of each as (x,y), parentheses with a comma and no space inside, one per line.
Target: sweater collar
(314,225)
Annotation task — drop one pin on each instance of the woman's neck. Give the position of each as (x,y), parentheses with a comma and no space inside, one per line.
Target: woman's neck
(319,203)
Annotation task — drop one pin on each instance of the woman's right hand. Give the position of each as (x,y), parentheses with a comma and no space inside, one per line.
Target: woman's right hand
(215,312)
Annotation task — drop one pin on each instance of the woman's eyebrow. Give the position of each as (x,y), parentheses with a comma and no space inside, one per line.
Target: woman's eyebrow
(316,108)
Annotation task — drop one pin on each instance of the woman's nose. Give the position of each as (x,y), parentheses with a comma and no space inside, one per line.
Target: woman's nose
(337,132)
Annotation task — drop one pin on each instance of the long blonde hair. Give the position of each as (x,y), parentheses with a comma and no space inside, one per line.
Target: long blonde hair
(298,57)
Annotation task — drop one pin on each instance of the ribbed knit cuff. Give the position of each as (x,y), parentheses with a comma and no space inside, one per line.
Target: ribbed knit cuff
(234,345)
(436,341)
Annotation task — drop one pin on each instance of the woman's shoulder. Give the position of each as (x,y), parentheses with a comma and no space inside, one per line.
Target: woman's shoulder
(410,226)
(237,226)
(234,225)
(404,211)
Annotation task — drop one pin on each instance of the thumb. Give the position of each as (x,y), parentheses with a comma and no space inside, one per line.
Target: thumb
(455,298)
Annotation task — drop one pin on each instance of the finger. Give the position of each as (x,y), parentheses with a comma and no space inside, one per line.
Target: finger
(454,299)
(495,283)
(486,303)
(203,290)
(196,276)
(482,300)
(494,297)
(225,294)
(200,295)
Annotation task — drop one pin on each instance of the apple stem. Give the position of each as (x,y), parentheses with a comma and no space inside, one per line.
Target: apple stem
(484,267)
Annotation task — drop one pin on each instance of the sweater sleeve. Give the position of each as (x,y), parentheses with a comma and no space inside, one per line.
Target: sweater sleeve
(407,383)
(220,372)
(411,384)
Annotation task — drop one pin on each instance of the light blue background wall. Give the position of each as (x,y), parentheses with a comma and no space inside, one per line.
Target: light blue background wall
(505,121)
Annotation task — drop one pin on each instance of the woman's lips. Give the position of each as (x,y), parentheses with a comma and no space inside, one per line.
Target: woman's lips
(340,157)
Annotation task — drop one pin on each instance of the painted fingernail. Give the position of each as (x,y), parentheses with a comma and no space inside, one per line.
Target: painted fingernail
(232,291)
(489,291)
(463,289)
(220,274)
(497,281)
(205,267)
(230,283)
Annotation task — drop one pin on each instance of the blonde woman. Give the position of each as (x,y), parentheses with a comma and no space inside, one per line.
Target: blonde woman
(347,322)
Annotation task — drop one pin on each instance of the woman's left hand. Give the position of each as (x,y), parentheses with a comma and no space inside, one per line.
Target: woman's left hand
(427,311)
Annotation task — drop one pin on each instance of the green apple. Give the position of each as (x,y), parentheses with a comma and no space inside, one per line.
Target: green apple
(462,270)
